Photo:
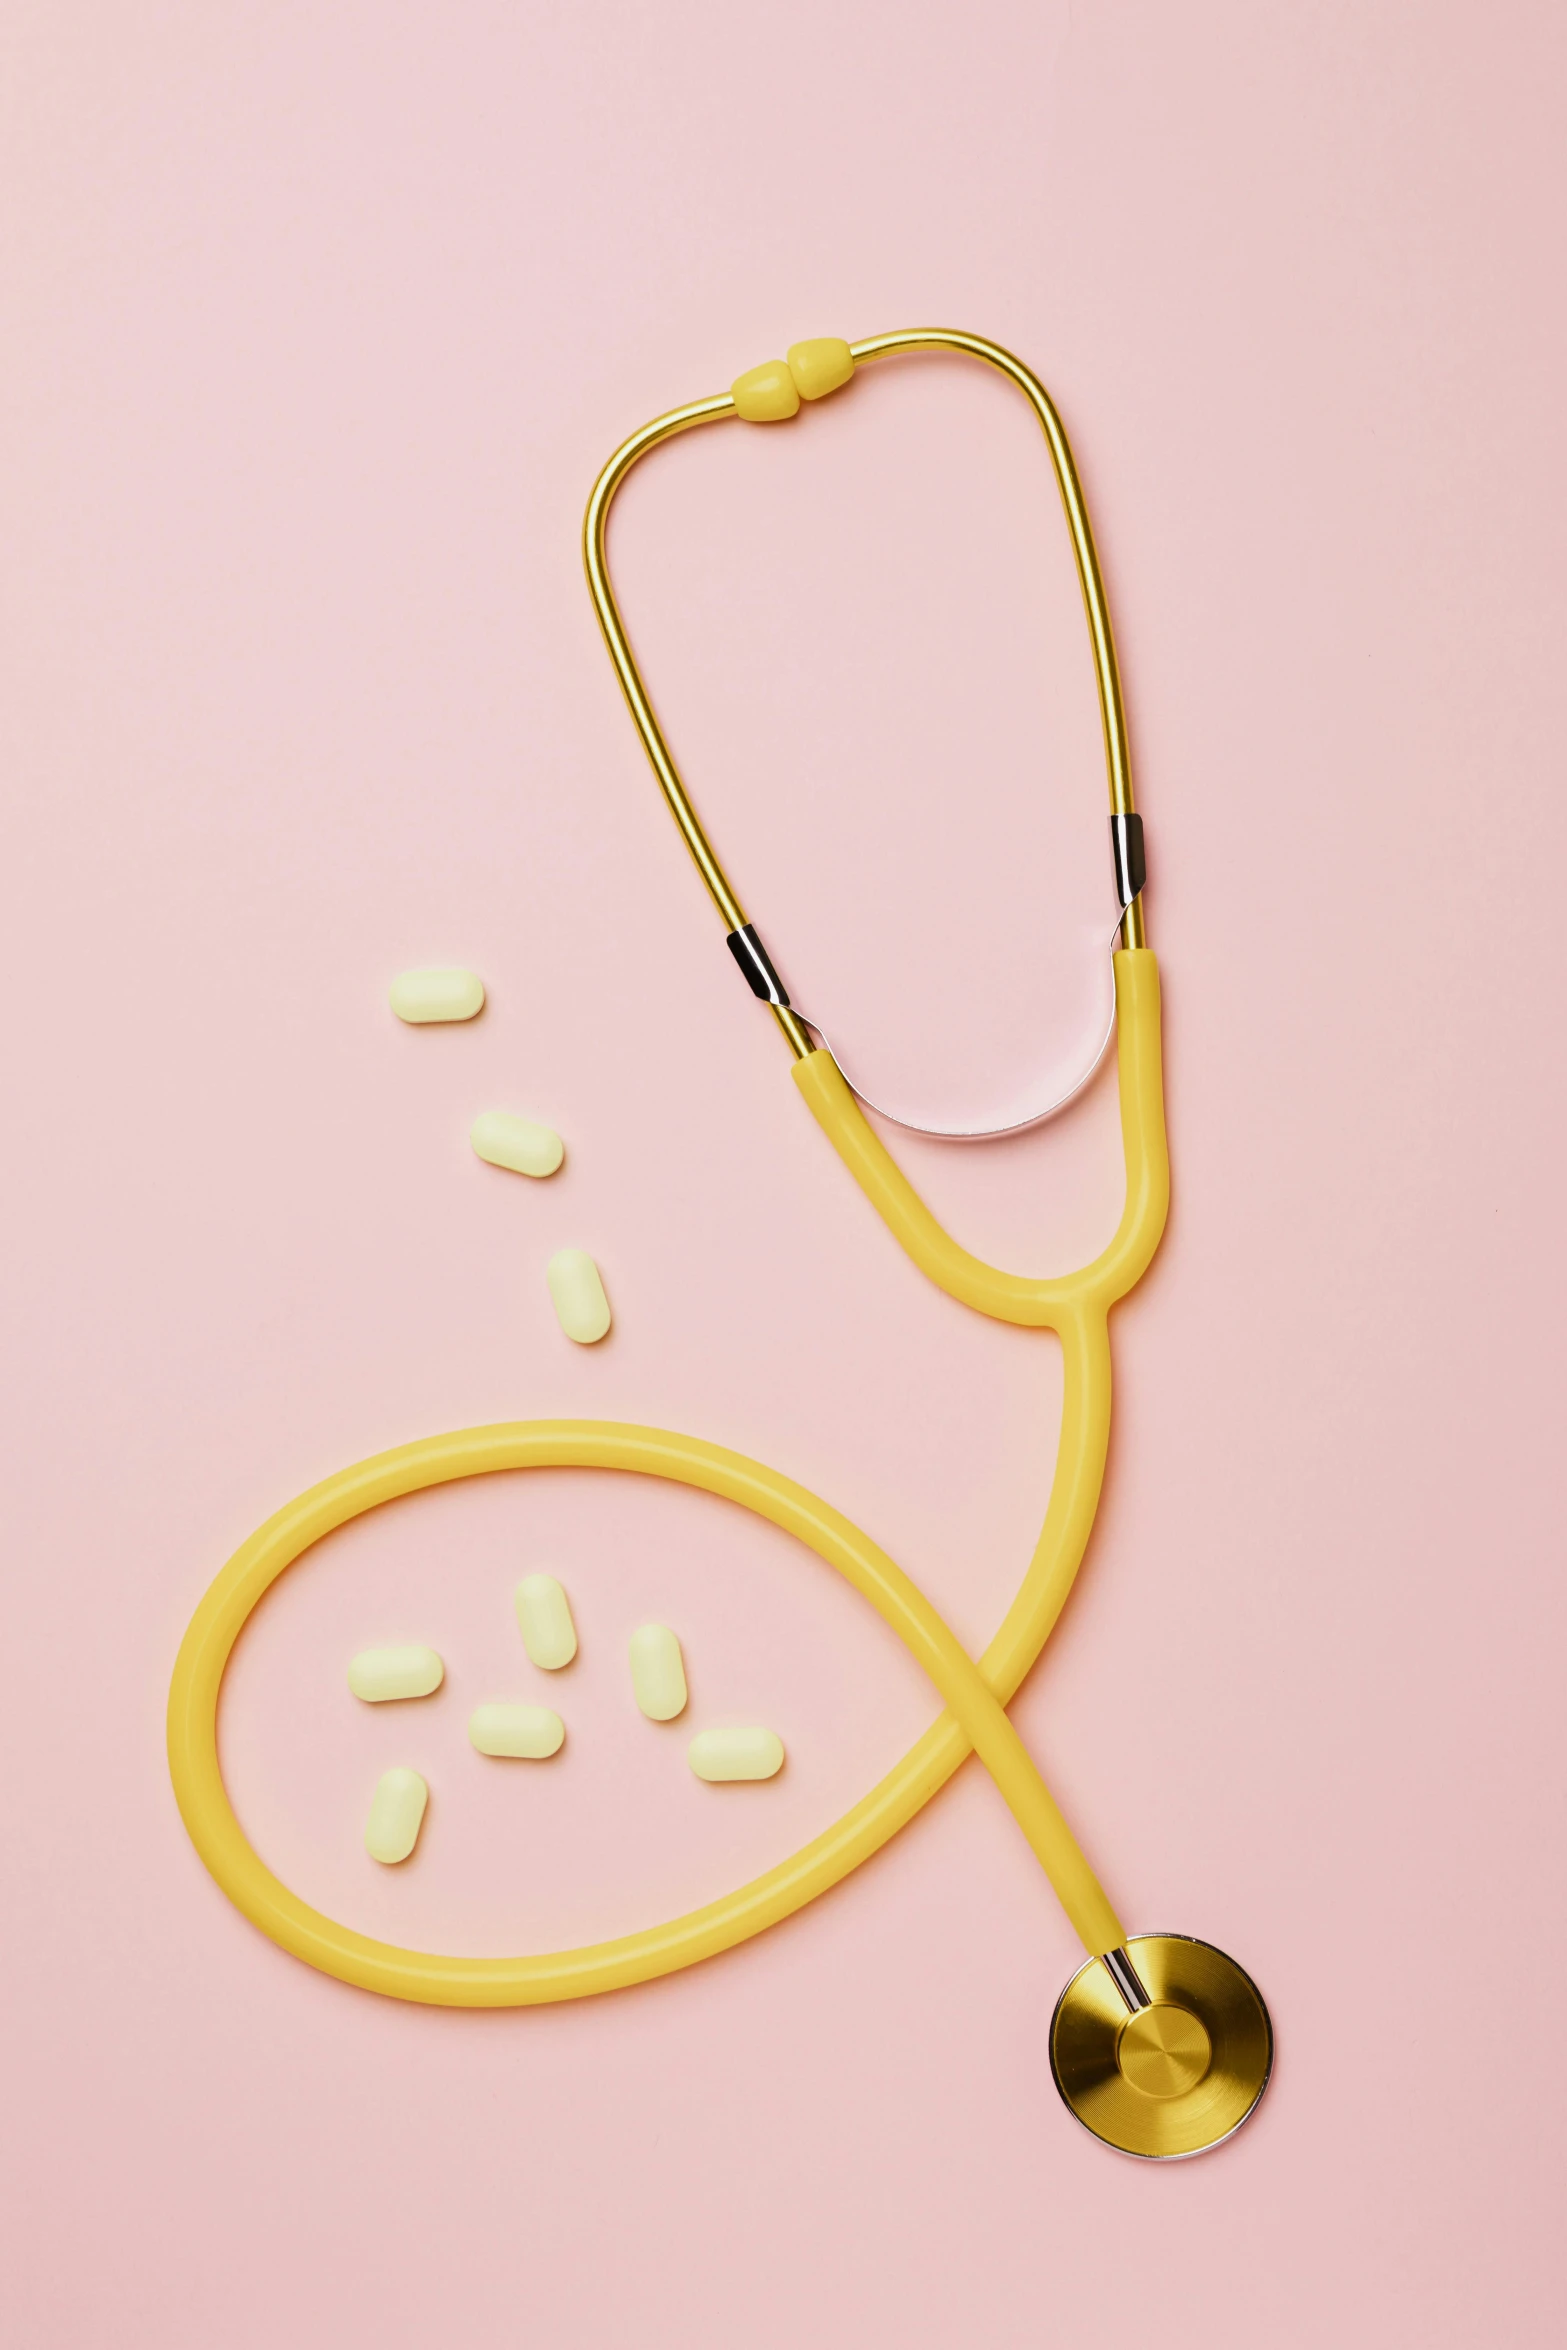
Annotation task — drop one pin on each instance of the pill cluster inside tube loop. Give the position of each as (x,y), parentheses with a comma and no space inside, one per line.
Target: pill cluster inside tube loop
(514,1730)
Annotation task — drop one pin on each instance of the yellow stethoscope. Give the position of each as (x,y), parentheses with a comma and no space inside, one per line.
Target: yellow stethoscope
(1159,2044)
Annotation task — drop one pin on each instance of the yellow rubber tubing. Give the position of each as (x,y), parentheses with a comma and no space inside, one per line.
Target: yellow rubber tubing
(1075,1306)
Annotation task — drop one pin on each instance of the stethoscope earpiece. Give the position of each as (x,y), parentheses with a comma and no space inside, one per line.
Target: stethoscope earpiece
(1161,2048)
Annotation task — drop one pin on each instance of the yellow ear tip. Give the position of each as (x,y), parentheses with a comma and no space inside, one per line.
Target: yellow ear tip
(765,394)
(819,367)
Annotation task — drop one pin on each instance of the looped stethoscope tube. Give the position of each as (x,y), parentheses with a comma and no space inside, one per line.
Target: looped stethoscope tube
(1159,2044)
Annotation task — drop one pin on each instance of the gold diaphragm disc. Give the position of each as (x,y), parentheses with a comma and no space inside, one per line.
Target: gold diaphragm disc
(1179,2075)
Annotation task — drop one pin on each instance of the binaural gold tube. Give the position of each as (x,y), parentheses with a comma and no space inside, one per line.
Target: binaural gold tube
(644,717)
(1106,671)
(1101,638)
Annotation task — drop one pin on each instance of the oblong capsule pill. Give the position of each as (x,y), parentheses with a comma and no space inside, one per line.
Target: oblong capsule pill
(378,1674)
(396,1816)
(658,1673)
(544,1620)
(525,1733)
(736,1754)
(422,996)
(521,1144)
(580,1304)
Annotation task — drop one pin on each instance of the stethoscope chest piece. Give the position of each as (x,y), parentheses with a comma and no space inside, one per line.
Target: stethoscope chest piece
(1175,2072)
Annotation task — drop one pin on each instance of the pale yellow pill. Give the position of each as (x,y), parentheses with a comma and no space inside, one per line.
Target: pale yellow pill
(396,1816)
(658,1673)
(521,1144)
(735,1754)
(526,1733)
(580,1304)
(544,1620)
(420,996)
(377,1674)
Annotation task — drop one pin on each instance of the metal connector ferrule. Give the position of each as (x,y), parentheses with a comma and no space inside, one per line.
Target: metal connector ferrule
(1126,1979)
(754,960)
(1126,852)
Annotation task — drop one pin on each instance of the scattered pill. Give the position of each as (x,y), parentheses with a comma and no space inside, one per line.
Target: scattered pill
(658,1673)
(527,1733)
(735,1754)
(377,1674)
(396,1816)
(421,996)
(521,1144)
(580,1303)
(544,1620)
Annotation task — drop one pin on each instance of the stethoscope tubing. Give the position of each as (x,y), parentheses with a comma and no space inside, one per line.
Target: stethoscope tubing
(1076,1306)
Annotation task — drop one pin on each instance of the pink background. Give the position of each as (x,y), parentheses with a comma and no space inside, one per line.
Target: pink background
(319,323)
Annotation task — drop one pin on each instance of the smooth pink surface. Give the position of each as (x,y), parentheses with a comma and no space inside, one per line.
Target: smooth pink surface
(319,325)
